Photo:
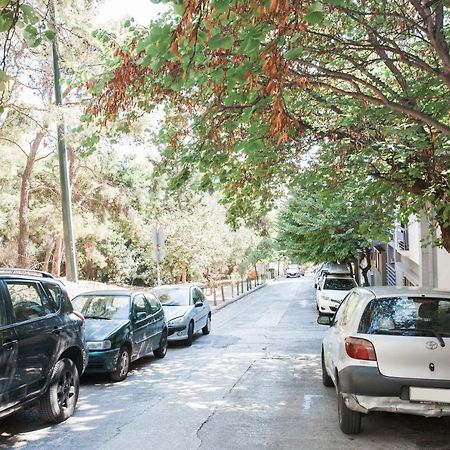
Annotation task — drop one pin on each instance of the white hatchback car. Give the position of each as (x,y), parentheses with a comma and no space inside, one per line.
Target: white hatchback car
(187,310)
(331,291)
(388,349)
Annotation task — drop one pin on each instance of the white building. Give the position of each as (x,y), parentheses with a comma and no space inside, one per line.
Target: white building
(408,260)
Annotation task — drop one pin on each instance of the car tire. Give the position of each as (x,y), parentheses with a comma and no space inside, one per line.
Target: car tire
(326,379)
(122,365)
(349,421)
(59,401)
(207,328)
(190,336)
(161,351)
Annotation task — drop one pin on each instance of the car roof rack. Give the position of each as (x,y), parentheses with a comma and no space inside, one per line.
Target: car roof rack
(18,271)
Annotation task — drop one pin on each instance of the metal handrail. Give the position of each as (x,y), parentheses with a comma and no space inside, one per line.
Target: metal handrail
(19,271)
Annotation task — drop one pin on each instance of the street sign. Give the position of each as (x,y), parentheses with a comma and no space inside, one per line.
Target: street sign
(159,248)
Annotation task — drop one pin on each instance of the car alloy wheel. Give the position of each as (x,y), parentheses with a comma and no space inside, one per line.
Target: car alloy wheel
(59,401)
(122,365)
(207,328)
(161,351)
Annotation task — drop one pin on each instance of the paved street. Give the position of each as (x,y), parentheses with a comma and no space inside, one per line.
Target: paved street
(254,383)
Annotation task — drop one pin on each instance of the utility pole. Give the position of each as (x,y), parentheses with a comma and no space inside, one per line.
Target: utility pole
(69,240)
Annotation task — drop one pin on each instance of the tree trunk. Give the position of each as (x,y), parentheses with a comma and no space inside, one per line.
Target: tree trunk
(23,254)
(183,274)
(445,235)
(367,268)
(57,257)
(48,254)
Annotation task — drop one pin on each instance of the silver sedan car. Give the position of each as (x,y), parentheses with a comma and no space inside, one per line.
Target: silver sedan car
(388,349)
(187,310)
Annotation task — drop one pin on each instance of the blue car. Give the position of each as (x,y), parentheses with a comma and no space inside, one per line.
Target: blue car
(121,327)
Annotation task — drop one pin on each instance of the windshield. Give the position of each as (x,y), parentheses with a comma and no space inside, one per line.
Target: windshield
(407,316)
(172,296)
(339,284)
(293,266)
(103,306)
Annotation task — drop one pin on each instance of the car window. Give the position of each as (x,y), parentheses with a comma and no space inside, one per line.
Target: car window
(339,284)
(405,315)
(141,305)
(103,306)
(27,301)
(154,303)
(347,309)
(54,295)
(172,296)
(3,315)
(197,296)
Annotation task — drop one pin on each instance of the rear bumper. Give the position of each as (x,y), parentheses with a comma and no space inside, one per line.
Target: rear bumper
(365,389)
(369,381)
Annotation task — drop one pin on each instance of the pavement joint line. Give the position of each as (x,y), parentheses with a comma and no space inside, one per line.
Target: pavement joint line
(224,396)
(239,297)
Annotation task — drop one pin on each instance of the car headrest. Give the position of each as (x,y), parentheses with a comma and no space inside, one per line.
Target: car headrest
(428,310)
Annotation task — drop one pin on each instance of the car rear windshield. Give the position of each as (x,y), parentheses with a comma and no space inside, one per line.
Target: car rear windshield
(339,284)
(103,306)
(407,315)
(172,296)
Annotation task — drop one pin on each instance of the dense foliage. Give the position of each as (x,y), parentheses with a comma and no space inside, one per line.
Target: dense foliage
(252,87)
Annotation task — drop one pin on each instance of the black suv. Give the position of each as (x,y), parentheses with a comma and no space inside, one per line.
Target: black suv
(42,345)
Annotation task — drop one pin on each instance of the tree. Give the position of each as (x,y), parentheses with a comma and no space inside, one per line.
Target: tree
(339,224)
(252,87)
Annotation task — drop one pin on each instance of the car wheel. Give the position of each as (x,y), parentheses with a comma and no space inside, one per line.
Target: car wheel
(190,334)
(59,401)
(326,379)
(161,351)
(207,328)
(122,365)
(349,421)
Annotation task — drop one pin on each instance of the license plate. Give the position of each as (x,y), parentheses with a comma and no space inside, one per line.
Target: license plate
(429,395)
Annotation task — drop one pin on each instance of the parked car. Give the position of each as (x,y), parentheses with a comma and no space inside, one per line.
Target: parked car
(388,349)
(331,291)
(293,270)
(187,310)
(121,327)
(42,346)
(330,269)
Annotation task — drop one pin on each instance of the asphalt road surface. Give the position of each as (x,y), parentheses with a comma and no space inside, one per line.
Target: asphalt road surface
(253,383)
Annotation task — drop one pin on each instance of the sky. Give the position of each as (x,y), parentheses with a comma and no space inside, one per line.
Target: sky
(143,11)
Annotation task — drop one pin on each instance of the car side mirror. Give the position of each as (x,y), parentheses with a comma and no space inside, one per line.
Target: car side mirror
(333,308)
(324,320)
(199,304)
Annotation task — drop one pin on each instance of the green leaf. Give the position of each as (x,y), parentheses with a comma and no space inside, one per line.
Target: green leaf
(6,21)
(29,14)
(221,6)
(49,35)
(293,53)
(315,17)
(179,9)
(315,7)
(217,41)
(336,2)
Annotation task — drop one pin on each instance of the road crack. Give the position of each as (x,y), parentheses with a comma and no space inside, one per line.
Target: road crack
(213,412)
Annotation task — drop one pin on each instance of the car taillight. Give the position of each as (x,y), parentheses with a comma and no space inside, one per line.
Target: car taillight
(79,315)
(360,349)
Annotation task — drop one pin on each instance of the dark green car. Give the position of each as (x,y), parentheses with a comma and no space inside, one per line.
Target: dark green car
(121,327)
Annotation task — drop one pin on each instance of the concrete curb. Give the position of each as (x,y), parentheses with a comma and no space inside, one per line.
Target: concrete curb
(214,309)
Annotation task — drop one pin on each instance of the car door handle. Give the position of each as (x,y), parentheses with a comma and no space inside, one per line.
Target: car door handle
(57,330)
(8,345)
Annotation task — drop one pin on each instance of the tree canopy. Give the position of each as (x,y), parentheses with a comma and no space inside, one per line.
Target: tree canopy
(251,88)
